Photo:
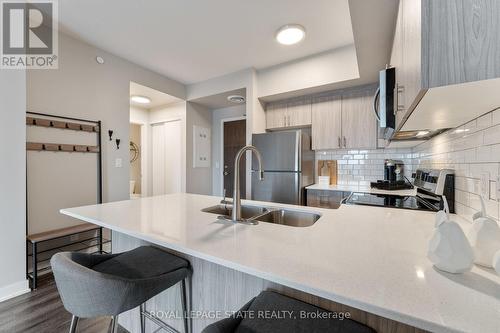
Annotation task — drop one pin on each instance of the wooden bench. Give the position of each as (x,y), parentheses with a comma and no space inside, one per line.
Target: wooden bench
(34,240)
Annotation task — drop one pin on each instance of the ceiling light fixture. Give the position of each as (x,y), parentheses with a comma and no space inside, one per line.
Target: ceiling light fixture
(290,34)
(462,130)
(238,99)
(140,99)
(422,133)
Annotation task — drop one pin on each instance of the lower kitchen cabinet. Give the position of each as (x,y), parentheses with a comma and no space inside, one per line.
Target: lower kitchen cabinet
(325,198)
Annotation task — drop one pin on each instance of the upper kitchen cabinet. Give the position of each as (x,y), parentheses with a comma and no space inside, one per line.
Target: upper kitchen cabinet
(327,122)
(359,125)
(443,49)
(299,112)
(293,113)
(344,120)
(460,41)
(275,115)
(406,58)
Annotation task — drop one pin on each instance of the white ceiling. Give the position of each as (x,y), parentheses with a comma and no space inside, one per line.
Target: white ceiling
(220,101)
(158,98)
(191,41)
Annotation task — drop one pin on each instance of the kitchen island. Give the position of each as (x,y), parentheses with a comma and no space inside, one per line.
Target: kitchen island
(353,258)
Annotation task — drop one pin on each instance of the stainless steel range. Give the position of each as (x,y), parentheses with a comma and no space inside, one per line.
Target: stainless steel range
(431,185)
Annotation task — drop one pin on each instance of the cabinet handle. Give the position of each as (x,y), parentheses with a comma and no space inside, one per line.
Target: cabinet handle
(399,91)
(340,142)
(345,143)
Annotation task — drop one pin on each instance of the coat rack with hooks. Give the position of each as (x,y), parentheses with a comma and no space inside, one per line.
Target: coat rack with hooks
(42,243)
(37,146)
(32,121)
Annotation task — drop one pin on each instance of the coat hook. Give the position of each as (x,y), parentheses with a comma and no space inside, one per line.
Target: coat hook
(110,133)
(118,143)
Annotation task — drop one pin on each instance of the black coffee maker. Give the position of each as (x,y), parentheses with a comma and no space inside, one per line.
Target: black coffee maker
(394,171)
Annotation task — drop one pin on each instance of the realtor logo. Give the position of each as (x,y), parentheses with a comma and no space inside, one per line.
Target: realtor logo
(29,34)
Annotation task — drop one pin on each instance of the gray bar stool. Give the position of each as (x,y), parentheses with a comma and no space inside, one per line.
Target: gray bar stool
(296,317)
(93,285)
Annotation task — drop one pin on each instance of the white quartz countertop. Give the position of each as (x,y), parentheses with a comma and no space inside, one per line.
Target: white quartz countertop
(371,258)
(360,189)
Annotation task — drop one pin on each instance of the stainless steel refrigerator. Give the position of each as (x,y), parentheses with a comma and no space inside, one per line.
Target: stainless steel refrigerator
(288,163)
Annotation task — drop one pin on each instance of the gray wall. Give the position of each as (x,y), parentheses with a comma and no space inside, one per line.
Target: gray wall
(13,193)
(82,88)
(217,117)
(198,180)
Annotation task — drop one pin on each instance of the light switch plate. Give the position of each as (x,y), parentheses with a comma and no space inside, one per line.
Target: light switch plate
(118,163)
(201,147)
(485,185)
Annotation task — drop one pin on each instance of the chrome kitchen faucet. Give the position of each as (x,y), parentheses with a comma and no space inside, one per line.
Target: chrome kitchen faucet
(236,213)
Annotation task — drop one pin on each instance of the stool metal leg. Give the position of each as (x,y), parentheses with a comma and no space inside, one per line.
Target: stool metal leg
(34,281)
(100,240)
(142,309)
(74,323)
(184,306)
(114,324)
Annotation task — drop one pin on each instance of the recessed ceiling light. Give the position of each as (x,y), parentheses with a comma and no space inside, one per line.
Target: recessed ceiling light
(290,34)
(462,130)
(140,99)
(423,133)
(238,99)
(100,60)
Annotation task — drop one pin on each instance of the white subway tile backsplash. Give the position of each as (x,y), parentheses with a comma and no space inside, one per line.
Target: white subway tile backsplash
(493,190)
(473,150)
(495,117)
(492,135)
(484,121)
(360,167)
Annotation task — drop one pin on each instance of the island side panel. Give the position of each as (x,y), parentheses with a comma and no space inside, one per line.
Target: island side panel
(218,288)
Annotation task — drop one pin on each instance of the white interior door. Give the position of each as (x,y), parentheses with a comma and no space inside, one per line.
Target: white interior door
(166,157)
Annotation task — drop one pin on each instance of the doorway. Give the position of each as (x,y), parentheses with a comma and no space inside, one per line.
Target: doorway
(166,157)
(234,138)
(135,146)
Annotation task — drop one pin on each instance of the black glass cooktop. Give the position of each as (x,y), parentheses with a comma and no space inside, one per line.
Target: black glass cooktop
(392,201)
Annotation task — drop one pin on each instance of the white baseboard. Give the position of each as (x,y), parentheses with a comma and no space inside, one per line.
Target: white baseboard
(13,290)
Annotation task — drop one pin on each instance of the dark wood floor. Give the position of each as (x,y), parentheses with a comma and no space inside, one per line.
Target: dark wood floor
(41,311)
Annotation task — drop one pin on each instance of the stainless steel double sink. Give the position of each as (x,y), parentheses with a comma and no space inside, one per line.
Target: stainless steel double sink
(251,214)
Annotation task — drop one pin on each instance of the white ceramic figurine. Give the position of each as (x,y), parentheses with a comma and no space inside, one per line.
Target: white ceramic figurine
(484,237)
(496,262)
(449,249)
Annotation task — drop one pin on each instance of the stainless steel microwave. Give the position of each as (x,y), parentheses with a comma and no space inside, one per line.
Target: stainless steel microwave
(383,103)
